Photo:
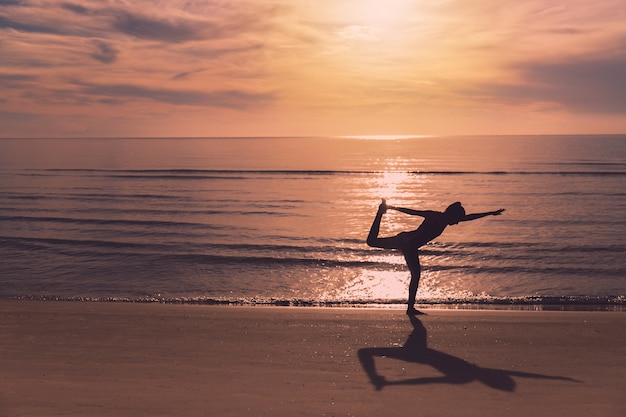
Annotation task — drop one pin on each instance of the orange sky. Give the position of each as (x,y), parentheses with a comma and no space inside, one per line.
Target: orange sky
(311,67)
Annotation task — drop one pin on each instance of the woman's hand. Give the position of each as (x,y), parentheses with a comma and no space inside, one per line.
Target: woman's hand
(497,212)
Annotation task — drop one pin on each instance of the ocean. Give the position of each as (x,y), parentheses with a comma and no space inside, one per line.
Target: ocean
(283,221)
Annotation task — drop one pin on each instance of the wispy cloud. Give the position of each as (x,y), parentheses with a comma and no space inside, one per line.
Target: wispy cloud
(105,52)
(6,79)
(585,85)
(76,8)
(150,28)
(221,98)
(6,23)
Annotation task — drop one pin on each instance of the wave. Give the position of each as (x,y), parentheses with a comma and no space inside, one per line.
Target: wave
(317,257)
(106,222)
(334,247)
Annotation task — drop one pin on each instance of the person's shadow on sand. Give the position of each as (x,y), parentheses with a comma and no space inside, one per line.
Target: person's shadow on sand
(455,370)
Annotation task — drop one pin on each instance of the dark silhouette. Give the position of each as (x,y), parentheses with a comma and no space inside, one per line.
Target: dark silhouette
(435,222)
(454,370)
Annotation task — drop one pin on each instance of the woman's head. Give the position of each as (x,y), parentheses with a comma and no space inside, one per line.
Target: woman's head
(454,213)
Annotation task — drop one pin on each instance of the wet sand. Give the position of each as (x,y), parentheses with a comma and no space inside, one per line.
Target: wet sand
(122,359)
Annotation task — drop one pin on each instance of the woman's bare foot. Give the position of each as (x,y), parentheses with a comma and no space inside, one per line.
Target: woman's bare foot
(383,207)
(412,311)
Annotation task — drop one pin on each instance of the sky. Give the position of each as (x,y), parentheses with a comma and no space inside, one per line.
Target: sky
(111,68)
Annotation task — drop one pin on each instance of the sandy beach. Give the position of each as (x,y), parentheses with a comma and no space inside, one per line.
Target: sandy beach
(123,359)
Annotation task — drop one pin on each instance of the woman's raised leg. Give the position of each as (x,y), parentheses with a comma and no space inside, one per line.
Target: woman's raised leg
(372,238)
(381,242)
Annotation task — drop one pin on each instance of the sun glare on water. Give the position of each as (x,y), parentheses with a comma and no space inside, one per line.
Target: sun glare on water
(385,137)
(389,185)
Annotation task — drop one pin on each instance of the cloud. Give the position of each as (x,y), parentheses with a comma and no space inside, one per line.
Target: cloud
(28,27)
(578,84)
(158,24)
(126,22)
(232,99)
(144,27)
(37,19)
(215,41)
(104,53)
(179,28)
(185,74)
(15,78)
(76,8)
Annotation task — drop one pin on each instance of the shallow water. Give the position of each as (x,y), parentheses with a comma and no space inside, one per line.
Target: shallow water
(283,220)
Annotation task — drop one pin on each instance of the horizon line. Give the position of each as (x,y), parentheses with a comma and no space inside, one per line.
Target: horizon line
(361,137)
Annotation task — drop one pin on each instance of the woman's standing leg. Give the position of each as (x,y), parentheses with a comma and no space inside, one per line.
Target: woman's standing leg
(413,262)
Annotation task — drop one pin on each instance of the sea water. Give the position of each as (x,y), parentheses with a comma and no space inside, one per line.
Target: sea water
(284,220)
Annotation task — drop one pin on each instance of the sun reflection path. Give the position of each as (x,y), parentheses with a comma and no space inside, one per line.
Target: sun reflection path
(377,285)
(399,188)
(389,185)
(392,286)
(386,137)
(389,284)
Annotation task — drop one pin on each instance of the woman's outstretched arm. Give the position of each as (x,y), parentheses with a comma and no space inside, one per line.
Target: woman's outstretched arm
(475,216)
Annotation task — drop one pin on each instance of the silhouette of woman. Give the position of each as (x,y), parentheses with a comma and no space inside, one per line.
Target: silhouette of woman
(408,243)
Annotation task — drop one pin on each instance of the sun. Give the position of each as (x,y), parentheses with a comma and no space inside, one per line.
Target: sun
(380,13)
(372,37)
(368,18)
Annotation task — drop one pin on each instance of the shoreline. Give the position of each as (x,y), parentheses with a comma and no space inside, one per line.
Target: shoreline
(150,359)
(582,303)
